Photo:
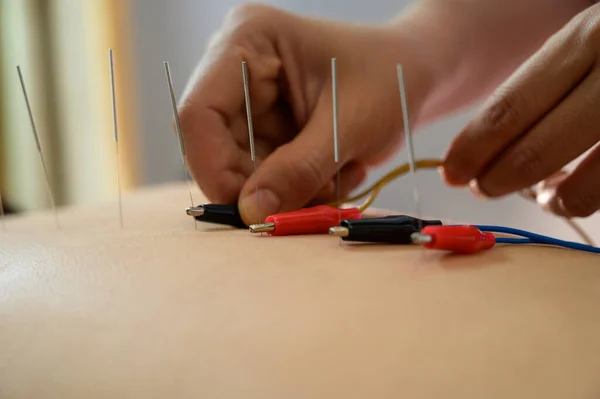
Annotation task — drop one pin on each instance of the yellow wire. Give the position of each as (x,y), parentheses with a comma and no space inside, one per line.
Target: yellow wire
(371,199)
(373,191)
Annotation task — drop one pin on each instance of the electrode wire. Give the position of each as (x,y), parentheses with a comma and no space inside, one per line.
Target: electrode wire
(537,238)
(373,191)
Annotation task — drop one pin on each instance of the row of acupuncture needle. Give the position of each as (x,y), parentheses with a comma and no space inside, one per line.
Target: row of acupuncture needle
(40,151)
(245,75)
(38,143)
(430,234)
(270,222)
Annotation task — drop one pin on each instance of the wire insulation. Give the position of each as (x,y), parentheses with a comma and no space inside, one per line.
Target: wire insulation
(506,240)
(372,192)
(536,238)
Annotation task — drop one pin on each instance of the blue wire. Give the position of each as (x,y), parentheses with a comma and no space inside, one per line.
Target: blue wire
(535,238)
(505,240)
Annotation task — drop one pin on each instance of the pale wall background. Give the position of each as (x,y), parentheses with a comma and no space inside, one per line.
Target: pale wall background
(177,30)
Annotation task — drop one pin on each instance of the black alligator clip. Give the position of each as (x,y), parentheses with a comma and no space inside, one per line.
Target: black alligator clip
(217,213)
(394,229)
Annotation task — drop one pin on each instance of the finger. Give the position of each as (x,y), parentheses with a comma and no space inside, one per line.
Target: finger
(541,83)
(568,131)
(549,202)
(352,175)
(554,180)
(213,157)
(271,129)
(211,103)
(295,173)
(545,191)
(579,193)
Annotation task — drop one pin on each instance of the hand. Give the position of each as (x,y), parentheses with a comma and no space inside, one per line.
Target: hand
(289,62)
(545,116)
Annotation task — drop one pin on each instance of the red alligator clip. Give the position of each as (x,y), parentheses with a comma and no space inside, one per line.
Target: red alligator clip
(459,239)
(316,220)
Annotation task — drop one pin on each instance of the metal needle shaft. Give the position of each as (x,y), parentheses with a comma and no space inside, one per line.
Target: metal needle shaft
(336,153)
(38,145)
(251,131)
(2,213)
(409,142)
(115,128)
(179,135)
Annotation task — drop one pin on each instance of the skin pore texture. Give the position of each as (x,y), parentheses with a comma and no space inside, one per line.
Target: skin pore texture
(159,309)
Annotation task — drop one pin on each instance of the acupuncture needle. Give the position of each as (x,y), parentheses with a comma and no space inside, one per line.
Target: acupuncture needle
(251,131)
(336,153)
(115,128)
(179,135)
(409,142)
(38,145)
(2,213)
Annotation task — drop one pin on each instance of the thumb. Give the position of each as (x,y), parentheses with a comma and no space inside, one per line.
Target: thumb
(292,175)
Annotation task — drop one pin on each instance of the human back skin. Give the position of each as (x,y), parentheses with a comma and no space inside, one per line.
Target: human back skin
(158,309)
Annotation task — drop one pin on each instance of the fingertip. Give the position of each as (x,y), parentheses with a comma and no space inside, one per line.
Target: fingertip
(477,191)
(451,177)
(468,154)
(453,166)
(258,205)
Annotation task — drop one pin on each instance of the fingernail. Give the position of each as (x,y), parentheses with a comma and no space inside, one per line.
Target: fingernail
(476,190)
(563,209)
(550,202)
(267,200)
(553,180)
(545,199)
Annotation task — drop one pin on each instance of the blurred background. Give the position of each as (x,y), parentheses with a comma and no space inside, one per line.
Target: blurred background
(62,46)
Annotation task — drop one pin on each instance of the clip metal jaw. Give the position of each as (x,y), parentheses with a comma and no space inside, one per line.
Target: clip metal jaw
(226,214)
(262,227)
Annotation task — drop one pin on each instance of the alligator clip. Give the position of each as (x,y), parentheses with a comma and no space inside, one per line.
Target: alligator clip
(394,229)
(315,220)
(458,239)
(217,213)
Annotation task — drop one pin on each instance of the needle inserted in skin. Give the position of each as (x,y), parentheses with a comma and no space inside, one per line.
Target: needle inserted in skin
(336,153)
(409,143)
(250,130)
(38,145)
(115,128)
(179,135)
(2,213)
